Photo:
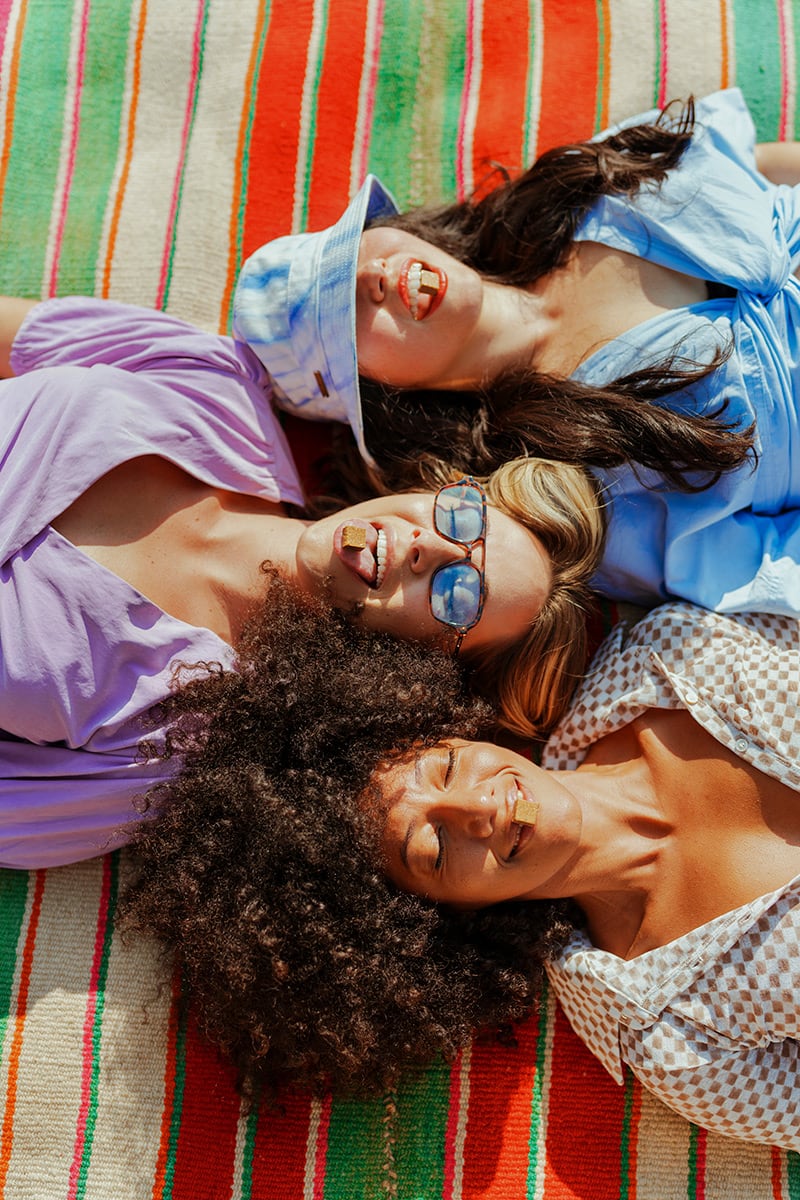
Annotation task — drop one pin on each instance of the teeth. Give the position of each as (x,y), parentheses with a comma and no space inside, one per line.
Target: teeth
(420,280)
(380,559)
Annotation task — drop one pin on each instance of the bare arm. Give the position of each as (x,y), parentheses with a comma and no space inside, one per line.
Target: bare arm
(13,311)
(779,161)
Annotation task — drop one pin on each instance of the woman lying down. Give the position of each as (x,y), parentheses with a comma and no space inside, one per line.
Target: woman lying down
(355,885)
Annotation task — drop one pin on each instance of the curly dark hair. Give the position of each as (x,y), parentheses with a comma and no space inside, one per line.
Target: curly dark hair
(515,234)
(259,866)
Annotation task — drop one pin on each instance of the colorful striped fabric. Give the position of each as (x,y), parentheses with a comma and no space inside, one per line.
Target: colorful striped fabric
(147,146)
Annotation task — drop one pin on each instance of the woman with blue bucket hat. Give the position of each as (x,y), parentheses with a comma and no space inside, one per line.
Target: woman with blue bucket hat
(627,304)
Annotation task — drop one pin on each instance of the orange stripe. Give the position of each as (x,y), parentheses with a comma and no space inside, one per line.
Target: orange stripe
(26,968)
(136,81)
(169,1089)
(724,33)
(500,1092)
(569,72)
(337,111)
(276,126)
(499,135)
(604,51)
(12,97)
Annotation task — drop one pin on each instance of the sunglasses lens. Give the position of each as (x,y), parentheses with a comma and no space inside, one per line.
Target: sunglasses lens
(458,513)
(456,594)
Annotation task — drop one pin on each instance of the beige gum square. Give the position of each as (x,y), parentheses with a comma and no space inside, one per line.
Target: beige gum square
(354,537)
(526,811)
(429,282)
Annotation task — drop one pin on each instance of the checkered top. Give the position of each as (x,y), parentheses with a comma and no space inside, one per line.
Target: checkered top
(709,1022)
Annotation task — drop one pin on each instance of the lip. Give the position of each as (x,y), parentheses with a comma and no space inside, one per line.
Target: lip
(518,835)
(402,287)
(362,563)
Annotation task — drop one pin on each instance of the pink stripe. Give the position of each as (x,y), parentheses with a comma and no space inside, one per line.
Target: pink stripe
(80,65)
(176,188)
(322,1148)
(88,1031)
(782,37)
(5,12)
(664,35)
(466,96)
(365,118)
(453,1116)
(700,1165)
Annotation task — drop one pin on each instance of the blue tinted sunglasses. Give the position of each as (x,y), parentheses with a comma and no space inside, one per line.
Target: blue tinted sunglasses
(458,588)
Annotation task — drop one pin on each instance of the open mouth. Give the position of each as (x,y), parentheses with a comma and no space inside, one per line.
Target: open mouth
(363,548)
(523,821)
(421,288)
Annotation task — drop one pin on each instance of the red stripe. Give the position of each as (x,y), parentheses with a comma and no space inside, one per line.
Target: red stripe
(204,1165)
(496,1146)
(569,72)
(279,1154)
(337,112)
(170,1069)
(500,122)
(276,126)
(584,1122)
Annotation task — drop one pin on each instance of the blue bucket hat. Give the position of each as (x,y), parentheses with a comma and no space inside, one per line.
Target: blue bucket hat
(295,306)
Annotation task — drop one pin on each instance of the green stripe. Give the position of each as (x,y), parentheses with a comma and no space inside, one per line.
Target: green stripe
(658,60)
(301,221)
(625,1138)
(417,99)
(35,147)
(192,117)
(248,1151)
(112,865)
(13,929)
(793,1174)
(758,63)
(530,146)
(354,1163)
(537,1097)
(177,1098)
(98,146)
(246,150)
(602,37)
(423,1110)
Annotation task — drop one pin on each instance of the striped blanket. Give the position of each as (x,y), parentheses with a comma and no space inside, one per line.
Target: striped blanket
(147,146)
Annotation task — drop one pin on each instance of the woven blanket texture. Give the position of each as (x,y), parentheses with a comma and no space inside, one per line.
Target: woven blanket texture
(148,146)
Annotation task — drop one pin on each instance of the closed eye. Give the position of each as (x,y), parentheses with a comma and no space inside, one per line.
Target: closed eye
(440,856)
(451,759)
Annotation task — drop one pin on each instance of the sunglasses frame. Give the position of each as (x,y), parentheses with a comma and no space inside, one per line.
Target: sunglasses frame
(468,548)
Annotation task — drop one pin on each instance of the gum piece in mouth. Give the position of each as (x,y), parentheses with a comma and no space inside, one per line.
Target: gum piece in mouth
(526,812)
(429,282)
(354,537)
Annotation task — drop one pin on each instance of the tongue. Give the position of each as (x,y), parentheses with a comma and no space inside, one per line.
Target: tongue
(361,562)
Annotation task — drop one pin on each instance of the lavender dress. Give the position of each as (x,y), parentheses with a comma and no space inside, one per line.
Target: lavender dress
(82,653)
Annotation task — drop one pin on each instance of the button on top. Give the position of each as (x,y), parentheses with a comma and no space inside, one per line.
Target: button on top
(691,696)
(741,745)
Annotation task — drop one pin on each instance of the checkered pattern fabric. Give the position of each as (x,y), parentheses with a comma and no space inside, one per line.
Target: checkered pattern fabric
(710,1021)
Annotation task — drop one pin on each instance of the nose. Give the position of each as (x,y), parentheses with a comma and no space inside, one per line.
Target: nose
(428,550)
(473,813)
(371,280)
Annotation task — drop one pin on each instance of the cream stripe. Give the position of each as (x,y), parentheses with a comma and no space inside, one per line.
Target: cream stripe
(632,71)
(790,57)
(6,73)
(312,1149)
(694,49)
(534,97)
(238,1181)
(737,1169)
(662,1152)
(205,225)
(130,1094)
(473,73)
(50,1066)
(167,53)
(310,86)
(461,1122)
(366,94)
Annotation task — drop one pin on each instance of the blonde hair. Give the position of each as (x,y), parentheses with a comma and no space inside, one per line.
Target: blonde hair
(532,680)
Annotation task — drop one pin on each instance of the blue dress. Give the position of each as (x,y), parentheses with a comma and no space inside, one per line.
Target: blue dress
(736,545)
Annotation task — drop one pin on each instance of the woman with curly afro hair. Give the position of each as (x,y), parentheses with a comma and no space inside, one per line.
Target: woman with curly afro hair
(260,868)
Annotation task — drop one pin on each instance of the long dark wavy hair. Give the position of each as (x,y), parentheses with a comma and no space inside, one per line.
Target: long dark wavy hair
(258,865)
(516,234)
